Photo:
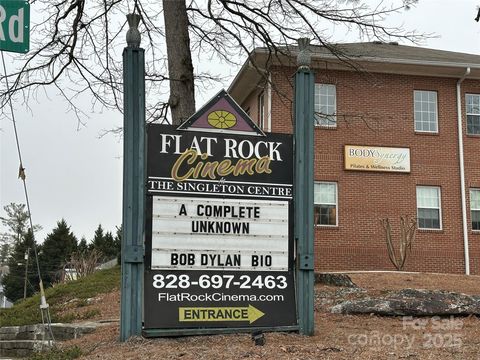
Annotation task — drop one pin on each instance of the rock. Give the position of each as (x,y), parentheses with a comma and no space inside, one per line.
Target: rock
(335,280)
(414,303)
(22,341)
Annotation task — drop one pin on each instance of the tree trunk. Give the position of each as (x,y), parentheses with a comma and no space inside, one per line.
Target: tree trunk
(180,68)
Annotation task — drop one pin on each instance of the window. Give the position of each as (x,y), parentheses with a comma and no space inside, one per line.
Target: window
(425,108)
(325,203)
(473,114)
(325,105)
(475,208)
(261,111)
(428,207)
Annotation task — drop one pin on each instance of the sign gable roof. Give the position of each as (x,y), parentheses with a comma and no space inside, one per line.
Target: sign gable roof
(222,115)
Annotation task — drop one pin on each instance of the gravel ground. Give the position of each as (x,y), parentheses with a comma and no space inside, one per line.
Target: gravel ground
(336,336)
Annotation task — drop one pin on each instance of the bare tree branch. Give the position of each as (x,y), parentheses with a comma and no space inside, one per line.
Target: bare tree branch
(76,47)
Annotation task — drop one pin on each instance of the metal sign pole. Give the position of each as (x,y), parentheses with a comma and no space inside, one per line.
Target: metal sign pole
(303,188)
(133,183)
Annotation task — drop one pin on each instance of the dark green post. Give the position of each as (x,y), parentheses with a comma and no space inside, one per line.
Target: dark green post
(303,188)
(133,183)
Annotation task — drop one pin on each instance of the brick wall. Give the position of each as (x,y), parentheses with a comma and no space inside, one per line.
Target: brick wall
(377,110)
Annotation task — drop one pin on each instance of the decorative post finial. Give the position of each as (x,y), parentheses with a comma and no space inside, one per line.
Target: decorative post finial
(133,35)
(304,57)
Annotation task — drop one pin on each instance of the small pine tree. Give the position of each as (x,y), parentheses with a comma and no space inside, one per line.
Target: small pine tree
(56,251)
(118,243)
(97,240)
(82,246)
(4,252)
(16,222)
(105,243)
(109,251)
(14,281)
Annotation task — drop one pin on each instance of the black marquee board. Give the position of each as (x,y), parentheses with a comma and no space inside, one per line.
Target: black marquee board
(219,228)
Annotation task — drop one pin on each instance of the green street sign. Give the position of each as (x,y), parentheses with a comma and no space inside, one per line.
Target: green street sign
(14,25)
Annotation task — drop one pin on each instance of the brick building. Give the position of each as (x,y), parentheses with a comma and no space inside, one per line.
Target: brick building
(384,101)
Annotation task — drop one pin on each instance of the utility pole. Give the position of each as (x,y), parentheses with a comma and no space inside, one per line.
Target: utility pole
(133,183)
(303,187)
(26,274)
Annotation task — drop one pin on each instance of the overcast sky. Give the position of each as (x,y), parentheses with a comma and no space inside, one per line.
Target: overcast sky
(74,174)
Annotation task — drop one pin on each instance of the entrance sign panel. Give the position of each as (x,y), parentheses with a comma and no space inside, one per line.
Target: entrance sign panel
(212,299)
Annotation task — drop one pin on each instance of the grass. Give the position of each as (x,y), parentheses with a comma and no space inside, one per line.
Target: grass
(57,354)
(26,312)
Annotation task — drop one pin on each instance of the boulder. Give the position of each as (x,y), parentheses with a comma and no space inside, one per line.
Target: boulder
(413,302)
(335,280)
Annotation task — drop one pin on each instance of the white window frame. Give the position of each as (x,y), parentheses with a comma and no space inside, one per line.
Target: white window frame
(439,208)
(469,105)
(472,208)
(322,93)
(421,108)
(319,203)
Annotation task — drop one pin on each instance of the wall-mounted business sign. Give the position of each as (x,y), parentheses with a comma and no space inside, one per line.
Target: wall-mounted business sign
(376,158)
(219,240)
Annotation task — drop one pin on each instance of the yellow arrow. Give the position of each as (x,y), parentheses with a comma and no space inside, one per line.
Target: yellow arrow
(192,314)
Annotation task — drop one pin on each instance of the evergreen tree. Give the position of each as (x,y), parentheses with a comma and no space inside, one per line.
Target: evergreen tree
(118,243)
(97,240)
(109,251)
(17,224)
(4,250)
(82,245)
(14,281)
(56,251)
(105,244)
(16,221)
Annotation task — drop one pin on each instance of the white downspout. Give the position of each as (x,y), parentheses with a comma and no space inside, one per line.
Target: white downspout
(462,172)
(269,103)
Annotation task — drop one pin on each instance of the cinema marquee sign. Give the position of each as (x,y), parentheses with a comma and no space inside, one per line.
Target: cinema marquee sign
(375,158)
(192,162)
(253,235)
(219,244)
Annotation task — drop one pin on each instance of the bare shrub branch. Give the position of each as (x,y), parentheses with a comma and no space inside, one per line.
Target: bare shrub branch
(82,263)
(408,227)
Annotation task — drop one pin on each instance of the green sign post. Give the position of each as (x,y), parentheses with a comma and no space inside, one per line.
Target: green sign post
(14,25)
(303,188)
(133,182)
